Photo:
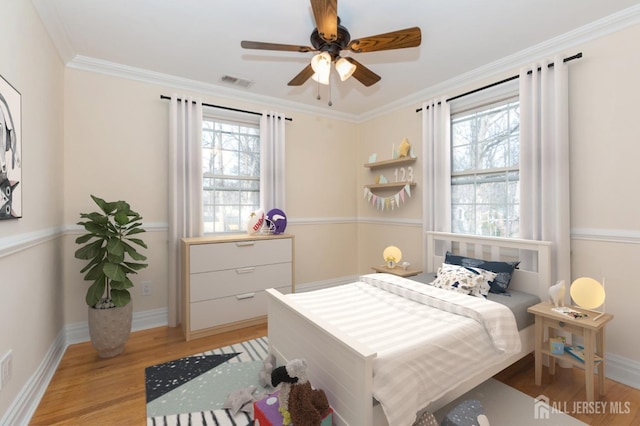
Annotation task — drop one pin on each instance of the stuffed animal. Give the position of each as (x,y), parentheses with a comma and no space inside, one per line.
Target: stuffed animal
(300,404)
(264,375)
(557,292)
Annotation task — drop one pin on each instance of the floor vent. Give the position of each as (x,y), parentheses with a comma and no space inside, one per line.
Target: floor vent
(236,81)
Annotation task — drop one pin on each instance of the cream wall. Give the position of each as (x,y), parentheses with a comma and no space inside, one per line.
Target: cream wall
(605,206)
(321,208)
(116,147)
(86,132)
(401,226)
(31,316)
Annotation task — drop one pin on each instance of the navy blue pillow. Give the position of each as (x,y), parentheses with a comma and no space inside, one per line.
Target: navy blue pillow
(503,269)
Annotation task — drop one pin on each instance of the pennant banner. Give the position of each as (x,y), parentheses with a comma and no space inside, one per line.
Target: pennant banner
(387,203)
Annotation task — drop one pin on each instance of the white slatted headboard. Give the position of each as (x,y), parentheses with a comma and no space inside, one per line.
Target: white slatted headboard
(533,274)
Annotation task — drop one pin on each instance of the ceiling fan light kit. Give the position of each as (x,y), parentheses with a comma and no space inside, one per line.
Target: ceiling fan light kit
(345,68)
(321,65)
(321,78)
(330,38)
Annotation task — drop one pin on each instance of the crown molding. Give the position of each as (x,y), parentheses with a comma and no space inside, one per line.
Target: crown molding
(594,30)
(85,63)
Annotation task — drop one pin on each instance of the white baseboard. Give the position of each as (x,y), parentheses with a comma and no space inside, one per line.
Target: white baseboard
(79,332)
(26,403)
(623,370)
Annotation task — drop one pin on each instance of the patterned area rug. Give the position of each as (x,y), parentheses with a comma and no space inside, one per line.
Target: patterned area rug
(192,390)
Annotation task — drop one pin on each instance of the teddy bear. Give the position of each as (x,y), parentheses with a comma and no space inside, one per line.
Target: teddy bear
(300,404)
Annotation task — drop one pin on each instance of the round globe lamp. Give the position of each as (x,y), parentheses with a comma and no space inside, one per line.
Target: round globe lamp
(588,294)
(392,256)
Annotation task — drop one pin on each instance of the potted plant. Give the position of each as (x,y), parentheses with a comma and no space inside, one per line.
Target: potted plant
(109,246)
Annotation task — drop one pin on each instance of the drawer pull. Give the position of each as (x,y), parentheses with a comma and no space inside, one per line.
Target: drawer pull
(247,270)
(245,296)
(245,243)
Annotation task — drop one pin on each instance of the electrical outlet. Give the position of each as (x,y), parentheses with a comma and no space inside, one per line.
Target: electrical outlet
(5,368)
(146,288)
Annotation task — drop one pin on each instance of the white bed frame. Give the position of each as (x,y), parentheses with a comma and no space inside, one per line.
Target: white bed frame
(343,367)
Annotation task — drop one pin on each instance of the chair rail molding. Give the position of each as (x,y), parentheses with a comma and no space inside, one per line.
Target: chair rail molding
(623,236)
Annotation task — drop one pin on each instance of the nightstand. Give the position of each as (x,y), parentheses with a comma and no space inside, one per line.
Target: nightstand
(592,331)
(397,271)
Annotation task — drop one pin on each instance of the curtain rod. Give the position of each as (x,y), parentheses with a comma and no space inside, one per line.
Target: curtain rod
(227,108)
(497,83)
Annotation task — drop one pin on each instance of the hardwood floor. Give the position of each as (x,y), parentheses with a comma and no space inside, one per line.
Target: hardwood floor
(87,390)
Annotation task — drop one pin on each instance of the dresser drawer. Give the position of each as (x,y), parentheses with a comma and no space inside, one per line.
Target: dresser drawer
(214,285)
(238,254)
(215,312)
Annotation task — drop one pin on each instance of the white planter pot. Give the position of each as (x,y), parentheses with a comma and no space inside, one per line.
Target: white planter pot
(110,329)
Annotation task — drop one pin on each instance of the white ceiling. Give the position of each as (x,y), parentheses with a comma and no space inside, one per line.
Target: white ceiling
(198,41)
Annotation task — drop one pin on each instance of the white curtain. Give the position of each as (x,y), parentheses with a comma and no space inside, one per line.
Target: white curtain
(544,160)
(272,144)
(436,148)
(185,189)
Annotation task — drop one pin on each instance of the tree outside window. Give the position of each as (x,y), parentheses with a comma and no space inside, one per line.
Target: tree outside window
(485,155)
(231,173)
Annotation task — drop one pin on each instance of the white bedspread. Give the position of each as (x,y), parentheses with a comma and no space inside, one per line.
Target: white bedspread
(427,339)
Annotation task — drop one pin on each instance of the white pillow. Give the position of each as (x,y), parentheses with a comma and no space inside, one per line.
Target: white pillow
(464,279)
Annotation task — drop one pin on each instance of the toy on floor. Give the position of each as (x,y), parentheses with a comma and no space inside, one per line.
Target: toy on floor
(243,399)
(299,403)
(264,376)
(467,413)
(426,419)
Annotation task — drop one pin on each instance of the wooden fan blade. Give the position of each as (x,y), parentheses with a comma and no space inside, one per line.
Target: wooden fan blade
(325,13)
(409,37)
(303,76)
(275,46)
(363,74)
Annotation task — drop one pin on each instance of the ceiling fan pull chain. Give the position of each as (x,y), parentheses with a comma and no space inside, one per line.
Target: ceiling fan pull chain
(318,98)
(330,103)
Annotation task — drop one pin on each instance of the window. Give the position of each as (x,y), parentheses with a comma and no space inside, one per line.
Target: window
(231,173)
(485,156)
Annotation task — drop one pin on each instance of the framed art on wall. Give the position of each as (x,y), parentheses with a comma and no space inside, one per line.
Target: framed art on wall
(10,151)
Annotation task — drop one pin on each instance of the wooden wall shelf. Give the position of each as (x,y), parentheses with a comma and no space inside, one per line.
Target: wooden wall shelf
(391,185)
(386,163)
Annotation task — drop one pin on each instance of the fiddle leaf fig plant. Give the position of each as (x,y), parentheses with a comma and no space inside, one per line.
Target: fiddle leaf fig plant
(111,248)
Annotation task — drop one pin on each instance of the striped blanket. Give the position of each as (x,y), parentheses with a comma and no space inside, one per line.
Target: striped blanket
(427,339)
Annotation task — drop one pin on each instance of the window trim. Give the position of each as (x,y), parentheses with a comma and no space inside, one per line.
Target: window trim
(232,117)
(487,101)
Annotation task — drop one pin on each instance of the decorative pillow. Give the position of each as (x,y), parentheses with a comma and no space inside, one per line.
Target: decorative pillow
(504,270)
(465,280)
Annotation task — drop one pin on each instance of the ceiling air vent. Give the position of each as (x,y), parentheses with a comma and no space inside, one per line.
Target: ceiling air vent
(235,81)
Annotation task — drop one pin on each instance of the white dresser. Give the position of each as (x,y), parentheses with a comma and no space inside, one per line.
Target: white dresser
(224,279)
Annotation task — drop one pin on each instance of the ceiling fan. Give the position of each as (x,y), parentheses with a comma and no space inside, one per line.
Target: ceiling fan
(330,38)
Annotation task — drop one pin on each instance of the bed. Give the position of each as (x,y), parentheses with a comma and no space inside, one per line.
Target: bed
(343,366)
